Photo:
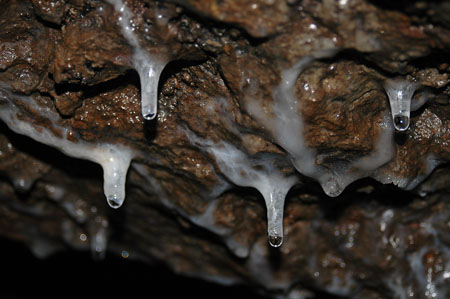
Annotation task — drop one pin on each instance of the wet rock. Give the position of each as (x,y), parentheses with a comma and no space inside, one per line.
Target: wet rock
(256,100)
(258,18)
(50,10)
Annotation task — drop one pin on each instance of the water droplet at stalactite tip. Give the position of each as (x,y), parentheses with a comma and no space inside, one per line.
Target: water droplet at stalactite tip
(275,240)
(401,122)
(114,201)
(149,116)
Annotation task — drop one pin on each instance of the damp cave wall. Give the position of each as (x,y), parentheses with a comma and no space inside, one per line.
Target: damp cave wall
(268,121)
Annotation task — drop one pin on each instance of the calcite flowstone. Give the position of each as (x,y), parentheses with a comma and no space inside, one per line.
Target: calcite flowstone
(259,104)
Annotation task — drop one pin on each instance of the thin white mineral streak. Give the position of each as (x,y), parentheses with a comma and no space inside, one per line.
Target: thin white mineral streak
(400,93)
(286,126)
(114,158)
(259,173)
(149,68)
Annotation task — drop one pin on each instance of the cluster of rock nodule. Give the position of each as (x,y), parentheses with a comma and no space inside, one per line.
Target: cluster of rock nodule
(263,109)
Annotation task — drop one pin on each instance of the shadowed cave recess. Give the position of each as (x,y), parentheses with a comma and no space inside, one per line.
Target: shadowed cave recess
(251,148)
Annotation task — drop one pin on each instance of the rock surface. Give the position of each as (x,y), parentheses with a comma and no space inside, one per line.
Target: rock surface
(281,97)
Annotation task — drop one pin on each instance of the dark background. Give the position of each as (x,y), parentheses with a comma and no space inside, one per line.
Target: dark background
(75,274)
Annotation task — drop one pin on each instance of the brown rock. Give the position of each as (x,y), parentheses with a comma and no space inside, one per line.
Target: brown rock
(67,75)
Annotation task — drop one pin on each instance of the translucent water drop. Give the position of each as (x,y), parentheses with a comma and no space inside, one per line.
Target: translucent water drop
(125,254)
(401,122)
(149,116)
(275,241)
(114,201)
(331,187)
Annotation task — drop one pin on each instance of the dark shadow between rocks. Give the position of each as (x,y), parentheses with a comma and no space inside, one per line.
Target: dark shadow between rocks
(401,5)
(356,194)
(89,91)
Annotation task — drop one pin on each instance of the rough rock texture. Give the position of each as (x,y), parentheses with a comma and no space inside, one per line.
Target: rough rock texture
(66,71)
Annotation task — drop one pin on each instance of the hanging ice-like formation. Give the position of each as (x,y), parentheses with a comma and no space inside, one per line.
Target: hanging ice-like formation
(400,93)
(115,161)
(114,158)
(286,125)
(261,174)
(149,68)
(257,172)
